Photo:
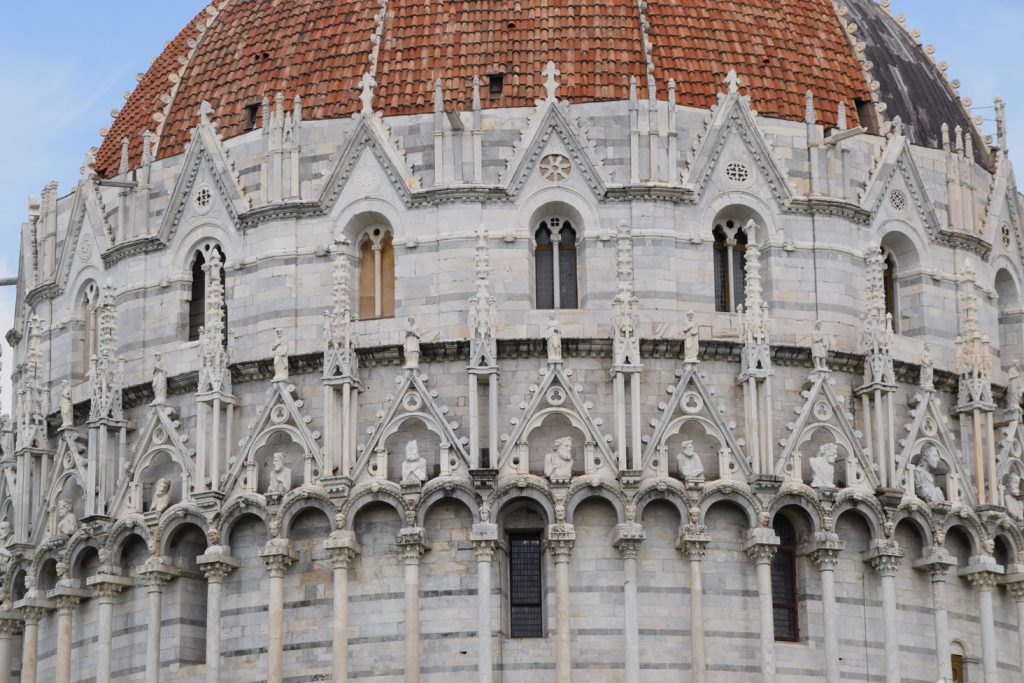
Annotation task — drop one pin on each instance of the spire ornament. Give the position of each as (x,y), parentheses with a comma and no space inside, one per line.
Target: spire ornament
(754,320)
(483,348)
(625,341)
(31,419)
(340,358)
(214,375)
(877,335)
(106,370)
(973,355)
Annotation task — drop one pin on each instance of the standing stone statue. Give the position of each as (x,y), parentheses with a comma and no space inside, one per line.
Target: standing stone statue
(67,522)
(558,463)
(159,380)
(1014,389)
(691,340)
(819,348)
(280,351)
(690,466)
(161,495)
(414,467)
(823,466)
(67,407)
(554,341)
(924,476)
(927,379)
(1011,496)
(412,344)
(280,476)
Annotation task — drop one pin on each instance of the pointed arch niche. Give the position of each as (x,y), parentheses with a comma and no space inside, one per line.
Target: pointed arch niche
(730,240)
(902,281)
(87,339)
(199,285)
(556,238)
(1011,319)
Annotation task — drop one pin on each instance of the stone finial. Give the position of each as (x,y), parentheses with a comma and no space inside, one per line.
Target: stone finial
(147,148)
(123,165)
(671,91)
(732,80)
(809,116)
(652,89)
(626,341)
(476,93)
(367,83)
(550,84)
(205,113)
(841,123)
(438,97)
(482,308)
(878,337)
(1000,106)
(632,92)
(945,137)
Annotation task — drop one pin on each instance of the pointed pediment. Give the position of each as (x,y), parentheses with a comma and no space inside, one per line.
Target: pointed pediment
(692,402)
(558,395)
(206,166)
(732,125)
(824,419)
(413,402)
(896,171)
(1004,226)
(930,428)
(88,234)
(161,435)
(369,134)
(279,421)
(553,124)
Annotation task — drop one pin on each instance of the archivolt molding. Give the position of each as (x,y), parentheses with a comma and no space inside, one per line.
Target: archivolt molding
(298,501)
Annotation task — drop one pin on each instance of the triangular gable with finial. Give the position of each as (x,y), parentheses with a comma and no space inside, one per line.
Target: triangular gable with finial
(931,426)
(69,463)
(732,115)
(206,154)
(692,401)
(1003,208)
(88,234)
(161,433)
(413,401)
(896,170)
(371,134)
(824,410)
(558,395)
(281,414)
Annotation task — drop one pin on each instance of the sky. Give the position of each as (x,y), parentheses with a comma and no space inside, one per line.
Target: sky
(66,64)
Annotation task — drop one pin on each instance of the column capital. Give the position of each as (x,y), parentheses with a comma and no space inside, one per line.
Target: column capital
(628,538)
(885,556)
(107,586)
(155,575)
(278,555)
(983,572)
(216,566)
(694,541)
(485,537)
(342,547)
(937,561)
(561,541)
(33,609)
(761,545)
(412,543)
(10,623)
(825,549)
(1013,581)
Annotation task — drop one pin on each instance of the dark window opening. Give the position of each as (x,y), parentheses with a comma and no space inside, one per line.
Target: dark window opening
(866,115)
(551,234)
(252,112)
(485,458)
(197,300)
(785,597)
(889,286)
(959,676)
(526,607)
(495,84)
(730,291)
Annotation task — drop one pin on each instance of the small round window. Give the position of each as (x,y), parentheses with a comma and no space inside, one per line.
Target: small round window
(737,173)
(898,201)
(203,199)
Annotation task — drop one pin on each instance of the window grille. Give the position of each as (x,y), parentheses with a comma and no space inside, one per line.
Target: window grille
(785,597)
(525,586)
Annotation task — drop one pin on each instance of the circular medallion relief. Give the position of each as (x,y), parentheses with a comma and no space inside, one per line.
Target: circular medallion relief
(898,201)
(365,180)
(692,402)
(556,396)
(737,173)
(279,414)
(412,402)
(555,168)
(203,199)
(85,247)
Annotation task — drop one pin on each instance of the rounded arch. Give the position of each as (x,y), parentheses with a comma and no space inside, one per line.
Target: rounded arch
(242,505)
(370,496)
(577,208)
(198,237)
(916,519)
(533,491)
(586,492)
(730,496)
(89,276)
(1010,321)
(301,500)
(132,525)
(670,494)
(869,511)
(740,207)
(968,530)
(351,219)
(447,490)
(907,245)
(176,517)
(77,546)
(797,504)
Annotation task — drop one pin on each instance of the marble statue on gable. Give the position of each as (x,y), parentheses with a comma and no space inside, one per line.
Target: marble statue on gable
(823,466)
(558,462)
(161,495)
(554,337)
(159,380)
(280,477)
(927,379)
(414,467)
(67,406)
(1012,496)
(1014,389)
(819,348)
(690,467)
(67,522)
(280,351)
(924,476)
(691,340)
(411,347)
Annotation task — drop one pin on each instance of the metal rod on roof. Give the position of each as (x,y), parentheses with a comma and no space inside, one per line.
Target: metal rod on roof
(8,281)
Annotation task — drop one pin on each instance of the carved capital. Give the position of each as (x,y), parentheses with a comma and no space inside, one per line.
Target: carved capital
(277,556)
(485,537)
(561,541)
(761,545)
(342,548)
(937,562)
(10,624)
(412,544)
(628,538)
(885,557)
(825,551)
(983,580)
(983,572)
(105,587)
(33,611)
(1015,588)
(694,542)
(156,575)
(217,567)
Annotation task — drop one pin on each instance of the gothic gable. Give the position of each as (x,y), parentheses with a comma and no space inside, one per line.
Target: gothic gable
(161,442)
(895,188)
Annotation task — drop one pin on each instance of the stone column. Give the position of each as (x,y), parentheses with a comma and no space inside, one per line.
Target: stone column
(412,543)
(342,548)
(561,540)
(761,546)
(32,611)
(628,538)
(885,557)
(937,562)
(155,575)
(485,538)
(694,544)
(984,573)
(216,566)
(825,554)
(105,588)
(277,555)
(67,599)
(10,626)
(1014,583)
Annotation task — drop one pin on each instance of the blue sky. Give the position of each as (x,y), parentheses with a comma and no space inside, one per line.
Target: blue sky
(66,64)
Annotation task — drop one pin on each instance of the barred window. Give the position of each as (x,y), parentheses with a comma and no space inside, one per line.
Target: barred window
(525,585)
(376,274)
(729,253)
(555,264)
(197,298)
(889,286)
(785,598)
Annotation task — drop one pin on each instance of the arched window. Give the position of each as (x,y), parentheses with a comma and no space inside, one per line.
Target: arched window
(785,598)
(555,264)
(89,311)
(889,280)
(729,251)
(197,298)
(1011,319)
(376,274)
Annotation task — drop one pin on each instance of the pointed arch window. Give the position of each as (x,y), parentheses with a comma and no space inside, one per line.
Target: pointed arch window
(889,285)
(555,264)
(197,295)
(785,596)
(89,311)
(376,274)
(729,252)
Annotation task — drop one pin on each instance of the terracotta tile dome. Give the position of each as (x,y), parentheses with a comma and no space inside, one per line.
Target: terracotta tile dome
(236,52)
